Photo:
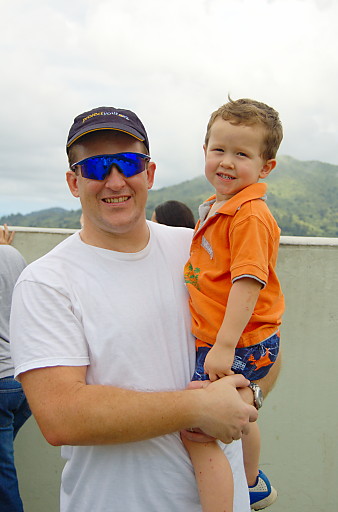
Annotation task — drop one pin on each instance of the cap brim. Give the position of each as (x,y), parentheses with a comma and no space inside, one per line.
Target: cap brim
(107,126)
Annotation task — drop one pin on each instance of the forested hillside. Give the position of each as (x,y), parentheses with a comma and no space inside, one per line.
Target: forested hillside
(303,196)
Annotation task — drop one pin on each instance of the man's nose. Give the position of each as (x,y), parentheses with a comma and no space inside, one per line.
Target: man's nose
(115,178)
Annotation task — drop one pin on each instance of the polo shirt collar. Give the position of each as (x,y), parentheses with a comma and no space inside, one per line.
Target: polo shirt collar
(254,191)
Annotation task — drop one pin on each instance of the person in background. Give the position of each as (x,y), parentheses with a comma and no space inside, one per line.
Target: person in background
(14,409)
(174,213)
(236,301)
(100,335)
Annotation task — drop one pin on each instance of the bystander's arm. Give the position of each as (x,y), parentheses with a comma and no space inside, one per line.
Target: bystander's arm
(6,236)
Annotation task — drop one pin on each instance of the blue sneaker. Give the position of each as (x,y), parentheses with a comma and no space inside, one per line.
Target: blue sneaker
(262,494)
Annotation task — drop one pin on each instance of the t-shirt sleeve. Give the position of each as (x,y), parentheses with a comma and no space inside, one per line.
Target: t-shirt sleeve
(44,329)
(250,242)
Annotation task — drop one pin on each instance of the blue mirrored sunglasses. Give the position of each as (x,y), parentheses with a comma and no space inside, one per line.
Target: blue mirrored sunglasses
(98,167)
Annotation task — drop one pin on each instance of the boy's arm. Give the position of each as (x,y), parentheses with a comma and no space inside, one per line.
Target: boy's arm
(241,303)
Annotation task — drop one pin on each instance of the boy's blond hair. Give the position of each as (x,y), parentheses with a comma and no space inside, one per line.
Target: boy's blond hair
(249,113)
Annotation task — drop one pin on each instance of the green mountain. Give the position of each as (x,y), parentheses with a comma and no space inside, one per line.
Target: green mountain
(50,218)
(303,197)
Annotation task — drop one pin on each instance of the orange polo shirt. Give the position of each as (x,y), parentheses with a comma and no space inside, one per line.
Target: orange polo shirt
(240,240)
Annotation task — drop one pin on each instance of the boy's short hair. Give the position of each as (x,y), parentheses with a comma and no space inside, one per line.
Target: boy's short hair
(250,112)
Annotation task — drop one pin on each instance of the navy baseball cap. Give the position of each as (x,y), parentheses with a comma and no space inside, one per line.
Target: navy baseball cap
(107,118)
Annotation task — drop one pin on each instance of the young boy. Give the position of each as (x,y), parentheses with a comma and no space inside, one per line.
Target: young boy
(235,297)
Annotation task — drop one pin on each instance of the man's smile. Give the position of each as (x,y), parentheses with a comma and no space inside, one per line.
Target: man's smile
(121,199)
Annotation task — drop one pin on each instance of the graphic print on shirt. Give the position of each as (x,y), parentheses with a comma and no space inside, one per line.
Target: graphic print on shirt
(191,275)
(207,246)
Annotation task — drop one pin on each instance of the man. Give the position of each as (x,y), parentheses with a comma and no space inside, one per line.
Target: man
(102,344)
(14,409)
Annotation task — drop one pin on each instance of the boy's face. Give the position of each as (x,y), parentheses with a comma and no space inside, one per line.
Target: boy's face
(233,158)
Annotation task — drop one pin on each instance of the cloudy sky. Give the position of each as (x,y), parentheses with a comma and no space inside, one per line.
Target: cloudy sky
(172,62)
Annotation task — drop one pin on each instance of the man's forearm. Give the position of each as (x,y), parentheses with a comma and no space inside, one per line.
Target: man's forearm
(69,411)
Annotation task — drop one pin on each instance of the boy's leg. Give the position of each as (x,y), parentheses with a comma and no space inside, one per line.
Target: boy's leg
(212,472)
(252,363)
(213,475)
(251,451)
(262,494)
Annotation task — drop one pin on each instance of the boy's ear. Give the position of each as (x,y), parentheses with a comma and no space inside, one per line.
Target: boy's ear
(205,149)
(267,168)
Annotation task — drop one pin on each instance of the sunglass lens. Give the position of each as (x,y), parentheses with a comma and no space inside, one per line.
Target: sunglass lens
(98,167)
(95,168)
(129,164)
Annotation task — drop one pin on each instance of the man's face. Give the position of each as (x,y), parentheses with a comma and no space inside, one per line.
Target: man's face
(115,206)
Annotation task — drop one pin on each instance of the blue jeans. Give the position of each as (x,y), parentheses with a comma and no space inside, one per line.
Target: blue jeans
(14,411)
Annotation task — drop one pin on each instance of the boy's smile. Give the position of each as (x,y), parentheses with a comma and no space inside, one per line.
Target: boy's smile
(233,158)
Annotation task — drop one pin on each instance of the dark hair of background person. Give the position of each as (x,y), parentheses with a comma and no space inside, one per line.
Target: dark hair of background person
(174,213)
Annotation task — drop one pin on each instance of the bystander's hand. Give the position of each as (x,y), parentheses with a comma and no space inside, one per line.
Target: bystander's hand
(6,236)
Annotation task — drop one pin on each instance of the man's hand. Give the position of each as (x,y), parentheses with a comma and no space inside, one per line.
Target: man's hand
(218,361)
(6,237)
(222,413)
(197,435)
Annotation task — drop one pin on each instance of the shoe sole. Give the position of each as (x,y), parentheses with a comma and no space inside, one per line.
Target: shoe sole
(266,502)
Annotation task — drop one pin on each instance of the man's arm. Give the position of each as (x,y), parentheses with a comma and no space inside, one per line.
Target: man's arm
(69,411)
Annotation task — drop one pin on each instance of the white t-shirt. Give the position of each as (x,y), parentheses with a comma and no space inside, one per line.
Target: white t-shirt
(126,316)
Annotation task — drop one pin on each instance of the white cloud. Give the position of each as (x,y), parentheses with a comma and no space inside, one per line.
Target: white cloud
(173,63)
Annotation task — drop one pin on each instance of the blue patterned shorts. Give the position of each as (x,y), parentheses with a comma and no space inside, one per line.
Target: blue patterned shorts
(253,362)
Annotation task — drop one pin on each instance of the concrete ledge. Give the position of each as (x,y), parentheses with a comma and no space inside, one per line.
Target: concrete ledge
(25,229)
(285,240)
(298,421)
(308,240)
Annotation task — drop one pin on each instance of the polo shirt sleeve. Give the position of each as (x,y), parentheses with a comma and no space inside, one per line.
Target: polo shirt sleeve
(250,248)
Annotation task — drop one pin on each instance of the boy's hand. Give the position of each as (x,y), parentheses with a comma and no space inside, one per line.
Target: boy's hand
(219,361)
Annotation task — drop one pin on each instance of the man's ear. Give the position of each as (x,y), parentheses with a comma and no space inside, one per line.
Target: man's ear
(151,174)
(267,168)
(71,179)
